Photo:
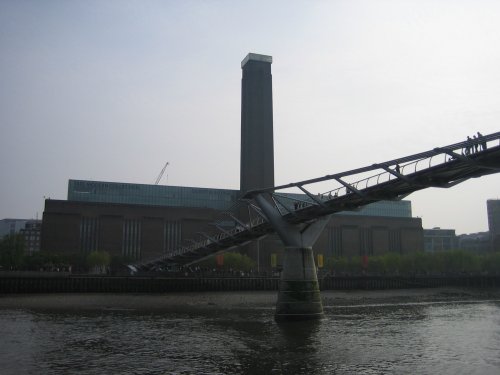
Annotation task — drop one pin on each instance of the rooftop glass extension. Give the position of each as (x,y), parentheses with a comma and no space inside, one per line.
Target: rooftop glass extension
(180,196)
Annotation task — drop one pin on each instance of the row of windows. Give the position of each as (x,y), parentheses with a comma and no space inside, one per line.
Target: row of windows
(178,196)
(172,236)
(291,201)
(131,245)
(384,208)
(110,192)
(344,241)
(439,233)
(131,236)
(89,234)
(439,244)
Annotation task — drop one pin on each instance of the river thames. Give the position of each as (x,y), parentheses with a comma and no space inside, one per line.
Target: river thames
(409,335)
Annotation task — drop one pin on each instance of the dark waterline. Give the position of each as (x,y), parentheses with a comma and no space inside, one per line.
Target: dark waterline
(387,338)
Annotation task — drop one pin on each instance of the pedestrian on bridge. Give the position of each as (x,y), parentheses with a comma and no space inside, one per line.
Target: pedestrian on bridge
(482,141)
(476,144)
(468,148)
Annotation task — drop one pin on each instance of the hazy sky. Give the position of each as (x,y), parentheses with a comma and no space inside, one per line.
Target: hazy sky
(111,90)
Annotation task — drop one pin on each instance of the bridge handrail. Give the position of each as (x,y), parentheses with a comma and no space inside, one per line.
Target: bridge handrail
(429,155)
(231,236)
(422,155)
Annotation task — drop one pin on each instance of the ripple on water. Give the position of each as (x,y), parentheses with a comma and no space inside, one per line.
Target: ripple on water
(446,338)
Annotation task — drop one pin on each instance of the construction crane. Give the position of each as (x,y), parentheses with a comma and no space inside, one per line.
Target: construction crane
(161,174)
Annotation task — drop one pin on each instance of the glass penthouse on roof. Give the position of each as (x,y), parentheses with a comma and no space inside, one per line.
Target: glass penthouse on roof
(180,196)
(150,195)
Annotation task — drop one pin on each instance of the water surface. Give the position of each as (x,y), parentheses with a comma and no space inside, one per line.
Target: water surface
(417,338)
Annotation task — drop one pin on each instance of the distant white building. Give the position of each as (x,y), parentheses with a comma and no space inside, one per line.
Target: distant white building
(11,226)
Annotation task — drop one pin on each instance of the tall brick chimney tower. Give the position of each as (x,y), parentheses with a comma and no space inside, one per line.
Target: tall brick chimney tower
(257,152)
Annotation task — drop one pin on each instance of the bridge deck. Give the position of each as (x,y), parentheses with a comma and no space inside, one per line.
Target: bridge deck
(441,167)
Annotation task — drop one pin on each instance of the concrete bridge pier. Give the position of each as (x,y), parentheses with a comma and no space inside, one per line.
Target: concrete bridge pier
(299,296)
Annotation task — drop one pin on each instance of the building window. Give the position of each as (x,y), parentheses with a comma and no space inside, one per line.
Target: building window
(132,238)
(172,235)
(89,228)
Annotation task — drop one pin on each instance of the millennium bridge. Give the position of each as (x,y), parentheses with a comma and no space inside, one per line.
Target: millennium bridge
(442,167)
(298,214)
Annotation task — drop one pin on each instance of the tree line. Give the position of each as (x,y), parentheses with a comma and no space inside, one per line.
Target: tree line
(452,262)
(13,257)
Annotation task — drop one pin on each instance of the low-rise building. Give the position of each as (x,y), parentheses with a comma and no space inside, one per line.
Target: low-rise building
(475,242)
(11,226)
(437,239)
(32,236)
(146,221)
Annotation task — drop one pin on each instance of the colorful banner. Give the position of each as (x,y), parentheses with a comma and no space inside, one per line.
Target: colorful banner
(365,262)
(320,261)
(219,260)
(274,260)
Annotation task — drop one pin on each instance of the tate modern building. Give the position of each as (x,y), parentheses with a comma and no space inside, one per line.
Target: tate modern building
(140,221)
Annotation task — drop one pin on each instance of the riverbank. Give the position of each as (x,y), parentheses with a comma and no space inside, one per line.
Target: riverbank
(234,300)
(17,284)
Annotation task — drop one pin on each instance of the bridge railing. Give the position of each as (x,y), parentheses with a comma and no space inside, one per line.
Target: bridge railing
(406,165)
(344,183)
(409,165)
(417,160)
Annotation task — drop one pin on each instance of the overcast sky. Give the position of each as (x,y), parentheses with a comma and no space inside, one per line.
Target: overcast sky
(112,90)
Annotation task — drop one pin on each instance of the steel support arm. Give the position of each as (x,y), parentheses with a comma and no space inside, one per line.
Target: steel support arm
(292,235)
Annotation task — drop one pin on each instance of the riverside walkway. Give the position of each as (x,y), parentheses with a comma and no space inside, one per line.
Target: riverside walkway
(31,284)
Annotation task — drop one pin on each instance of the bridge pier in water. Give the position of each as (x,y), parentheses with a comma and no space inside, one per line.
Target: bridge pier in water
(298,296)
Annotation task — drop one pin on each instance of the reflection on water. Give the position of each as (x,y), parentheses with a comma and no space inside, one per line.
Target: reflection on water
(445,338)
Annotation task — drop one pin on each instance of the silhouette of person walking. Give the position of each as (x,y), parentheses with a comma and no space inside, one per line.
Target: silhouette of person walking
(469,146)
(481,140)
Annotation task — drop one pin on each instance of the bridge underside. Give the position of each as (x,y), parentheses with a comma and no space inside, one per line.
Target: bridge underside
(456,166)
